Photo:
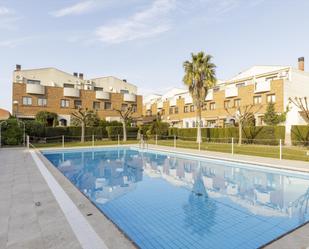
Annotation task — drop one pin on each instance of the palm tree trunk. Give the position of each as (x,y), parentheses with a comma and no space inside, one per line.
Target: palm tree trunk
(82,139)
(124,128)
(198,125)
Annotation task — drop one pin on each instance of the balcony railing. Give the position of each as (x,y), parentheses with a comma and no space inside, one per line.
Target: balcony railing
(129,97)
(263,86)
(148,106)
(172,101)
(210,95)
(35,89)
(231,92)
(160,105)
(188,99)
(102,95)
(71,92)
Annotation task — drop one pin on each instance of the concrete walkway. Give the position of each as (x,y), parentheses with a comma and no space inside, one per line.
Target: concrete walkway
(27,224)
(23,224)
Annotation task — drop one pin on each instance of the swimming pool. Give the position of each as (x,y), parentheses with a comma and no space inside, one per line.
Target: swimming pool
(166,200)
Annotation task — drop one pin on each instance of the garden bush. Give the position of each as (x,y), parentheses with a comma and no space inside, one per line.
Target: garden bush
(114,131)
(300,135)
(11,133)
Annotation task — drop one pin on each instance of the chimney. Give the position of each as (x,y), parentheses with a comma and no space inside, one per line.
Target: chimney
(301,63)
(124,80)
(18,67)
(75,74)
(81,76)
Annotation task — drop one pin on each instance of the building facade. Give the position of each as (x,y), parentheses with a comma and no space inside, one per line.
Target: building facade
(50,89)
(256,86)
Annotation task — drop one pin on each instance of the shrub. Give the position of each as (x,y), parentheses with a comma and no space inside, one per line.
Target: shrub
(47,118)
(12,133)
(114,131)
(300,135)
(159,128)
(34,128)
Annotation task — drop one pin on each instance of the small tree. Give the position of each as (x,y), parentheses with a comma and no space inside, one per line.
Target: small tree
(125,116)
(83,118)
(243,115)
(47,118)
(303,105)
(271,117)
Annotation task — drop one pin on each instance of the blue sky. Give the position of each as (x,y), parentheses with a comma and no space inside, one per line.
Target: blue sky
(146,42)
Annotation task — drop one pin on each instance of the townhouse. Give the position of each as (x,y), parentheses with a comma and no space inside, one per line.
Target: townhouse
(50,89)
(256,86)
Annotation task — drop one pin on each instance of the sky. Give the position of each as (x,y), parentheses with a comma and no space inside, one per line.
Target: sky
(147,41)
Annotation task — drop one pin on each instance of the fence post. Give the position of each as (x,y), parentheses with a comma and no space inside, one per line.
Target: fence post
(62,141)
(28,142)
(232,146)
(174,141)
(156,139)
(118,140)
(92,140)
(280,148)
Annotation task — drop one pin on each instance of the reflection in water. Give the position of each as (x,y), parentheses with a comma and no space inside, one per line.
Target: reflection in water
(197,196)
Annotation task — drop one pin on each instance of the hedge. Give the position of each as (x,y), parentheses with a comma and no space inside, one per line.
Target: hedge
(256,134)
(114,131)
(300,135)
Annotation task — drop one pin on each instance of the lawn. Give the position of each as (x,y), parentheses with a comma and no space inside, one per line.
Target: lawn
(293,152)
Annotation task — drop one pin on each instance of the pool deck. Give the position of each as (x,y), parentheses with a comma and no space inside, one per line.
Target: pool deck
(23,224)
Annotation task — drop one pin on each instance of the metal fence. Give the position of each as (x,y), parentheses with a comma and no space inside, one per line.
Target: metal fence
(274,148)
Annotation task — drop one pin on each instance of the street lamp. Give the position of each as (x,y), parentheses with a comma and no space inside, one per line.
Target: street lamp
(3,122)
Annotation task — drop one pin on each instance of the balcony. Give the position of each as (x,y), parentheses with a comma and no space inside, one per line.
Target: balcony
(129,97)
(188,99)
(210,95)
(231,91)
(70,92)
(102,95)
(148,106)
(160,105)
(35,89)
(263,86)
(173,101)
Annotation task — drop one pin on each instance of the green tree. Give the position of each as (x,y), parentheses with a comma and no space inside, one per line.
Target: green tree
(271,117)
(125,117)
(84,117)
(47,118)
(200,76)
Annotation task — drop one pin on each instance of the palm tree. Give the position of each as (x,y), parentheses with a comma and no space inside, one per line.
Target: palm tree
(200,76)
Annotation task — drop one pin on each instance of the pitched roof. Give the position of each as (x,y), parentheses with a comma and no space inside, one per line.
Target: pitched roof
(4,114)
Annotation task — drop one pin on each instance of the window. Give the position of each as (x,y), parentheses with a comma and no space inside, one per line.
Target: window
(124,91)
(237,103)
(271,98)
(193,124)
(186,108)
(96,105)
(257,100)
(68,85)
(204,106)
(134,108)
(212,106)
(77,104)
(171,110)
(216,89)
(124,107)
(65,103)
(37,82)
(187,124)
(226,104)
(107,105)
(240,84)
(27,101)
(176,110)
(149,113)
(98,88)
(42,102)
(192,108)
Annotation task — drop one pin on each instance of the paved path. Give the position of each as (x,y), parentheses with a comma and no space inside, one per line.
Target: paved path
(22,223)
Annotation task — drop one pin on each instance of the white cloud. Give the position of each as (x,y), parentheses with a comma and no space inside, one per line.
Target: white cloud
(8,18)
(5,11)
(13,42)
(76,9)
(143,24)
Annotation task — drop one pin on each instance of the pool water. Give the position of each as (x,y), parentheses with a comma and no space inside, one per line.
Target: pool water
(164,200)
